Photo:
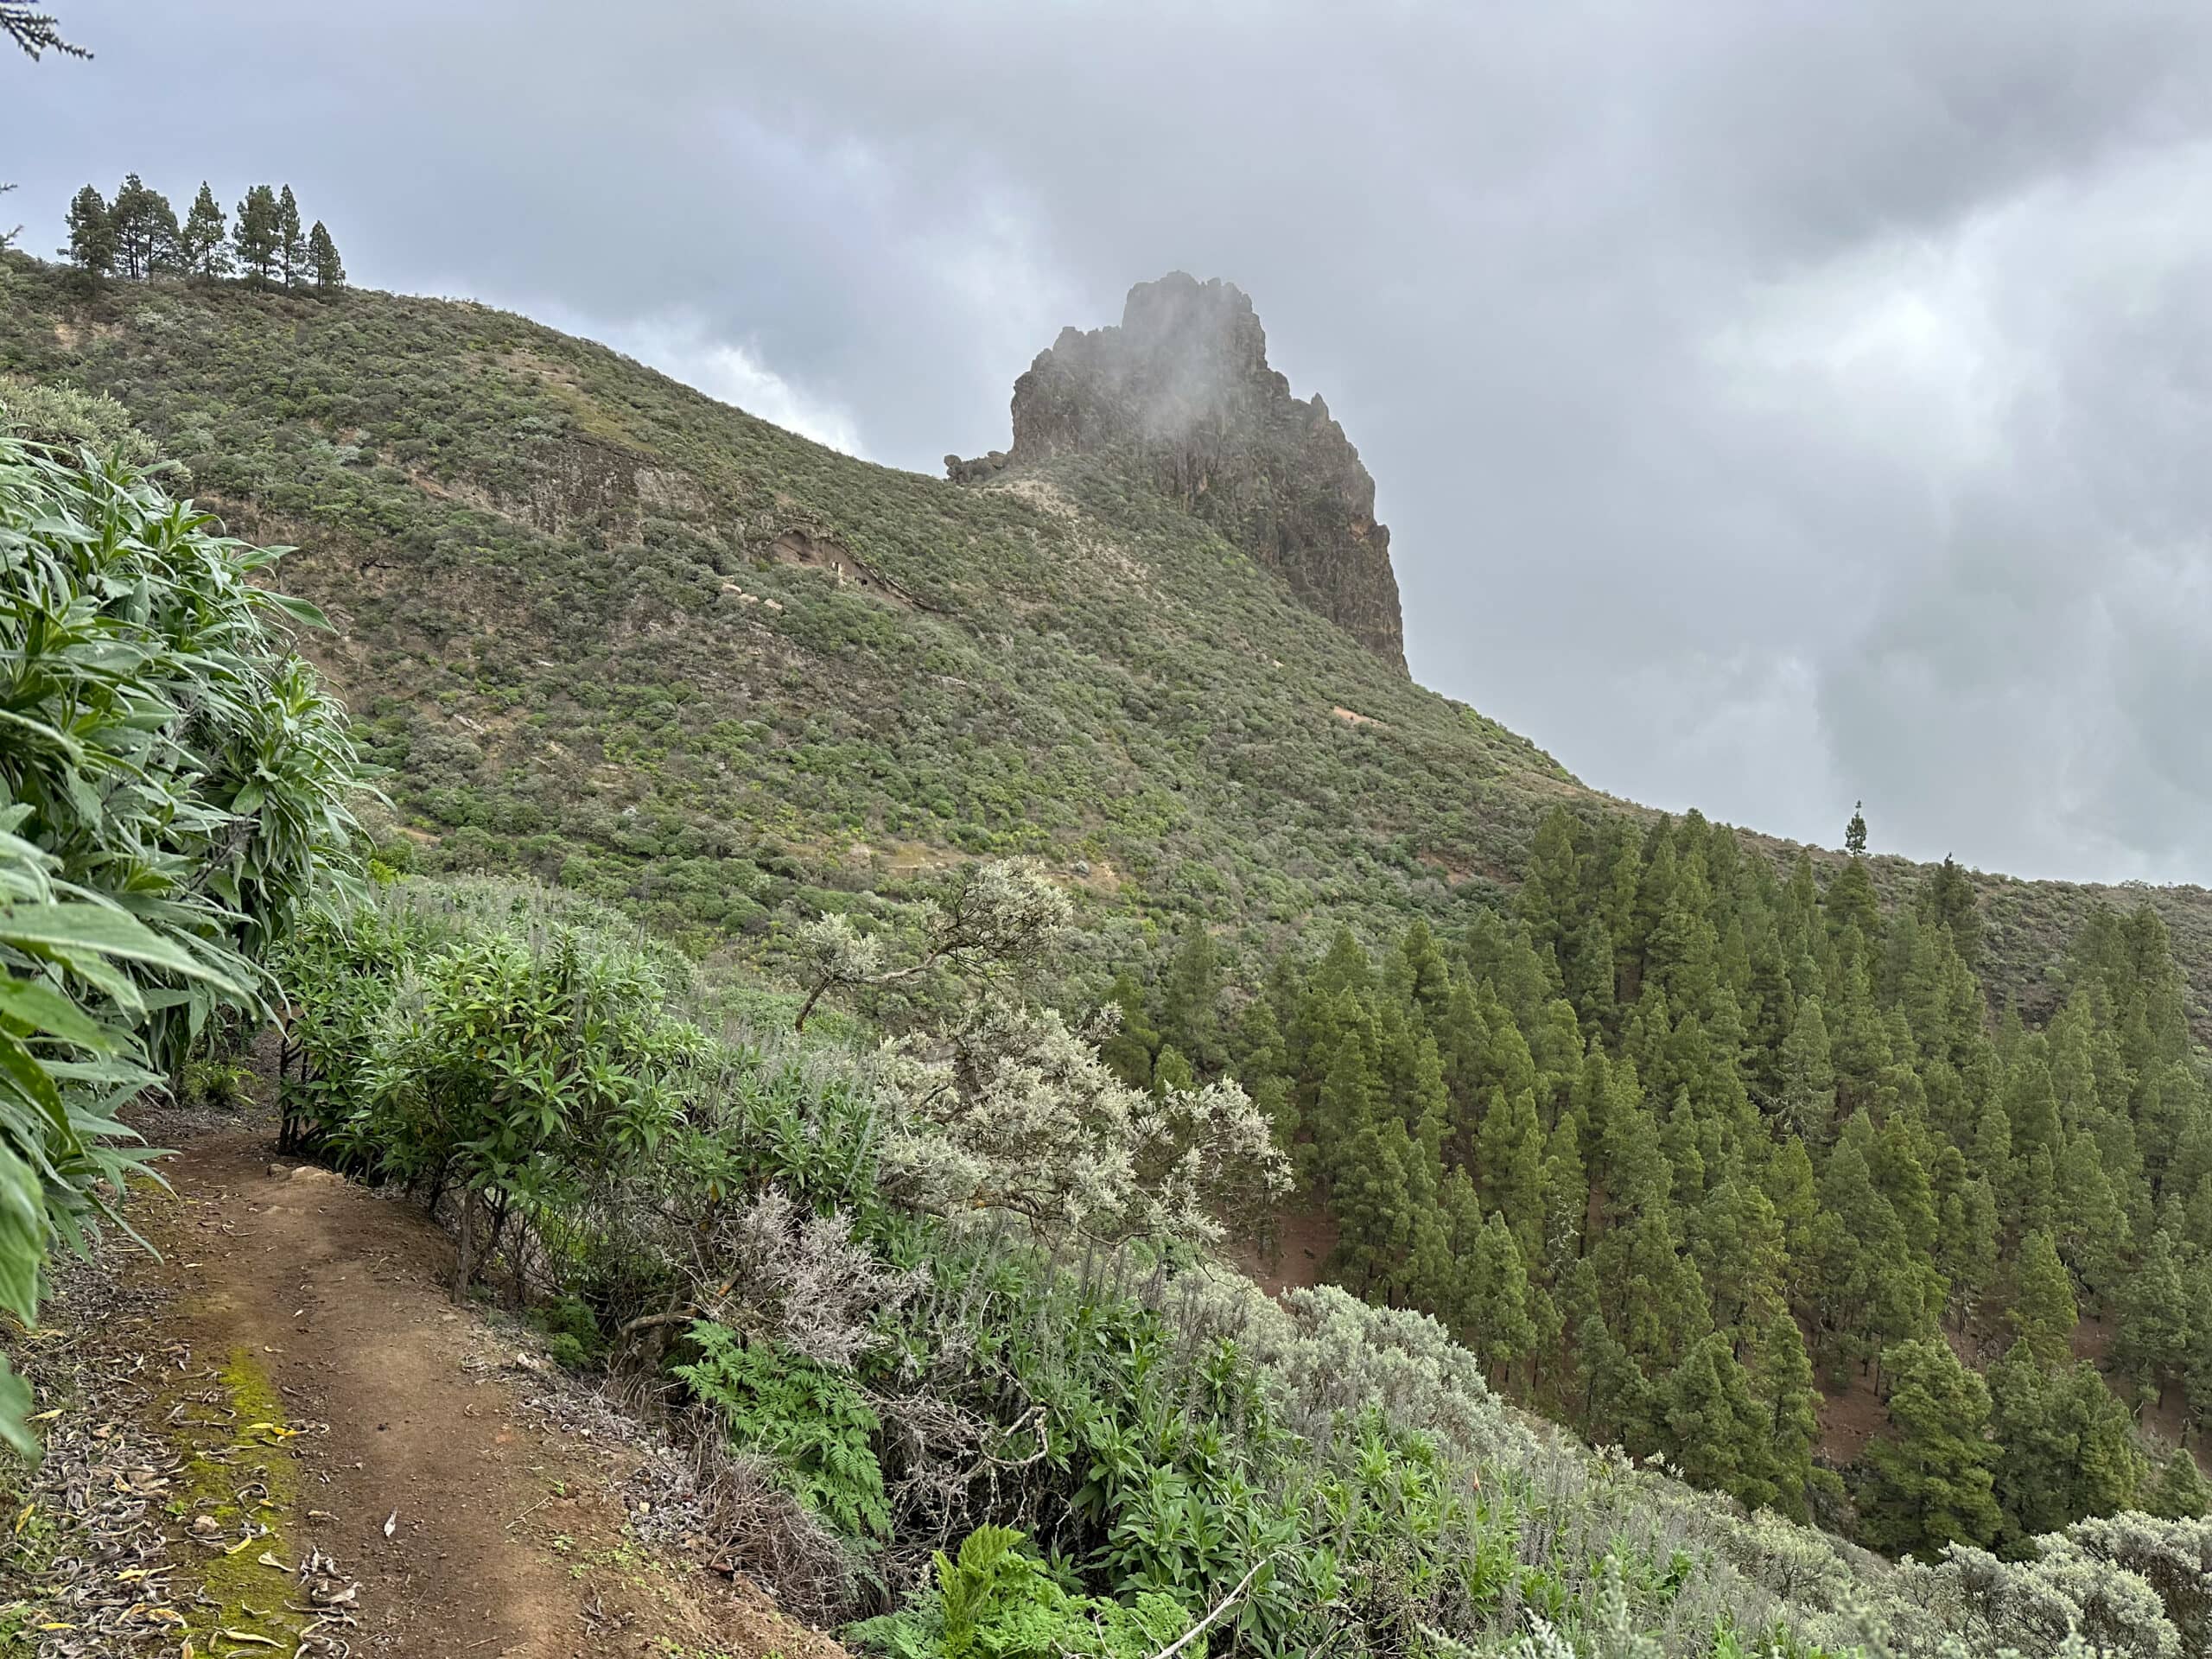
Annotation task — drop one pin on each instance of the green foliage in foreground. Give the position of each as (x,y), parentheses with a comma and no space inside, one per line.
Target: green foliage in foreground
(997,1600)
(172,793)
(1158,1434)
(807,1416)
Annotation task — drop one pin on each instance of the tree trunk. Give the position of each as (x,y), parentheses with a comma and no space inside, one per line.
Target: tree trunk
(465,1265)
(807,1009)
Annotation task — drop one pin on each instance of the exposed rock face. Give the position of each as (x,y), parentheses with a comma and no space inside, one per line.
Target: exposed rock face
(1183,387)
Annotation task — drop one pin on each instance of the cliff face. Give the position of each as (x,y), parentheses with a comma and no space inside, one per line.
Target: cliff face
(1182,388)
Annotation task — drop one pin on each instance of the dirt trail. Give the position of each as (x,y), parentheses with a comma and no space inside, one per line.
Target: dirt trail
(331,1292)
(510,1539)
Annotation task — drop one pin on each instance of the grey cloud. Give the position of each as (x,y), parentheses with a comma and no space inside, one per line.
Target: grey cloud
(1773,403)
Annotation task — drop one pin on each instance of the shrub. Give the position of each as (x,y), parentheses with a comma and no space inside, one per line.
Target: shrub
(64,418)
(173,797)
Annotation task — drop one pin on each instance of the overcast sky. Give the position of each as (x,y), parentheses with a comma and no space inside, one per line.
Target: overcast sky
(1773,403)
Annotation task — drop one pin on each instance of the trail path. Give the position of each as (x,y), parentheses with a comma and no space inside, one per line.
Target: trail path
(313,1347)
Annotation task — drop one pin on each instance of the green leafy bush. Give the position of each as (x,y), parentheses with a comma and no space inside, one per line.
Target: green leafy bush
(67,419)
(173,797)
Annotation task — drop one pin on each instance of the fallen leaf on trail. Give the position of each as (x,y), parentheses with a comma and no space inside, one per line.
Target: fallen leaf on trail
(248,1637)
(268,1558)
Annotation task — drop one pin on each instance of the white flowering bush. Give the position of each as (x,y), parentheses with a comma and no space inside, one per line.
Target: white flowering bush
(2127,1585)
(994,919)
(1013,1111)
(799,1277)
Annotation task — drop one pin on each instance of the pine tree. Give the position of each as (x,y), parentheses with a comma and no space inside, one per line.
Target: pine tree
(1550,899)
(1566,1196)
(1868,1288)
(1261,1063)
(1787,1180)
(91,234)
(1931,1484)
(1851,902)
(1658,1302)
(291,243)
(1346,1097)
(322,259)
(1370,1200)
(2043,1310)
(1807,1101)
(2093,1232)
(1854,833)
(2157,1318)
(146,235)
(1497,1297)
(1614,1397)
(1129,1052)
(1714,1430)
(2179,1491)
(1782,1378)
(1509,1166)
(1190,1002)
(1419,974)
(1587,971)
(130,216)
(1967,1243)
(206,242)
(1737,1239)
(1947,898)
(2066,1445)
(255,234)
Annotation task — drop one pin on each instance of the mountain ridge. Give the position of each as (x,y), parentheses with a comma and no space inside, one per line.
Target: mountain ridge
(608,630)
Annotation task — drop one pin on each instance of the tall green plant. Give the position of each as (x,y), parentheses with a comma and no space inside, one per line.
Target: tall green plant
(174,791)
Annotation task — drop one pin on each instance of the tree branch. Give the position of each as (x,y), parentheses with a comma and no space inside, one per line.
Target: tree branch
(1220,1607)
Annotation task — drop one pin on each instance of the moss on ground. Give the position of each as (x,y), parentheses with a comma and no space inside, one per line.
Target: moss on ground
(219,1477)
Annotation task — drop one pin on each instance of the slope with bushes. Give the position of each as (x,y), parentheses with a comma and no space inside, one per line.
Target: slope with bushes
(1043,1434)
(943,1308)
(608,631)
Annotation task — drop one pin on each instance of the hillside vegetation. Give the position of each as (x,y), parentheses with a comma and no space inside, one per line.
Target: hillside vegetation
(1620,1115)
(612,633)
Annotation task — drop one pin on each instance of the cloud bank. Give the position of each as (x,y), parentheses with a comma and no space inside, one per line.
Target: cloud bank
(1774,403)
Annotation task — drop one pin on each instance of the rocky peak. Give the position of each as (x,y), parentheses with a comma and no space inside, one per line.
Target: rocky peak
(1182,387)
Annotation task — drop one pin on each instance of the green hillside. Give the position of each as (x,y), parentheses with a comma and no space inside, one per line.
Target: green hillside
(1636,1123)
(607,630)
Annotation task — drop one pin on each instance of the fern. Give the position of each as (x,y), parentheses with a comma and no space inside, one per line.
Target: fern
(997,1600)
(810,1420)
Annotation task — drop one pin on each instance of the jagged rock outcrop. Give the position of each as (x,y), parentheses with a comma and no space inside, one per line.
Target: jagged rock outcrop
(1183,388)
